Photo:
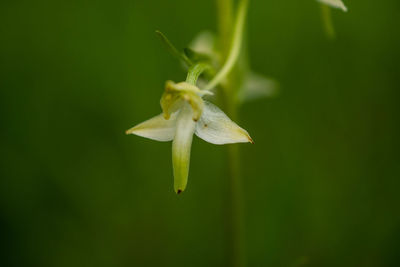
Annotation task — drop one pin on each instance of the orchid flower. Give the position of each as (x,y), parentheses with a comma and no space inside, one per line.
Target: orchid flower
(186,113)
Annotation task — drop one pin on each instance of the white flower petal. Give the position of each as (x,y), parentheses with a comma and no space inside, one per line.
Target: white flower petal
(216,128)
(156,128)
(335,3)
(185,127)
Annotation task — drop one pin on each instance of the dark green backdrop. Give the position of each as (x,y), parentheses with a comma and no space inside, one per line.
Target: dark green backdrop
(321,183)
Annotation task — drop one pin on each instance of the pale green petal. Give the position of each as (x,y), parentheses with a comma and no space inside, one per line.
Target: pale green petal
(216,128)
(181,146)
(257,86)
(156,128)
(335,3)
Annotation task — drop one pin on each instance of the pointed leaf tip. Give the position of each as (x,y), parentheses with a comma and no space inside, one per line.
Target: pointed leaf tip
(172,49)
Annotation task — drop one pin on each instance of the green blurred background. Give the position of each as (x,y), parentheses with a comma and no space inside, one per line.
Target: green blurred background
(321,183)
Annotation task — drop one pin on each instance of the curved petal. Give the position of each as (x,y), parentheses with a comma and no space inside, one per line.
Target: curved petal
(156,128)
(216,128)
(335,3)
(181,146)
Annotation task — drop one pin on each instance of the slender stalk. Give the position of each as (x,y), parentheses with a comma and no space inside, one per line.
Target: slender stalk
(236,45)
(195,71)
(232,34)
(225,22)
(235,200)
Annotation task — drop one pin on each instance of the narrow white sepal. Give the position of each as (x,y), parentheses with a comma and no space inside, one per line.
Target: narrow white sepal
(185,127)
(215,127)
(156,128)
(335,3)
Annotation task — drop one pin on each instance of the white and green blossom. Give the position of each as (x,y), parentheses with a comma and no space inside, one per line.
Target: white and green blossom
(186,113)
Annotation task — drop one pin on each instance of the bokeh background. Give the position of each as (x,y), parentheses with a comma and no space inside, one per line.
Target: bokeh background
(321,183)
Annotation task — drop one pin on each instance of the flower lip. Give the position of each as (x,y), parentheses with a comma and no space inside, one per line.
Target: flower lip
(181,146)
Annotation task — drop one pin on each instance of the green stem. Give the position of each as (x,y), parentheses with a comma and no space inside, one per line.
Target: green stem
(235,199)
(231,40)
(195,71)
(225,22)
(235,47)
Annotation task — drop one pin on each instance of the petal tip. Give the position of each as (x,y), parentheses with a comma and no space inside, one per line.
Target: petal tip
(130,131)
(250,139)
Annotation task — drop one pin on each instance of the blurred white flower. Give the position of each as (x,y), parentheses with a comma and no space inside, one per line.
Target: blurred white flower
(335,3)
